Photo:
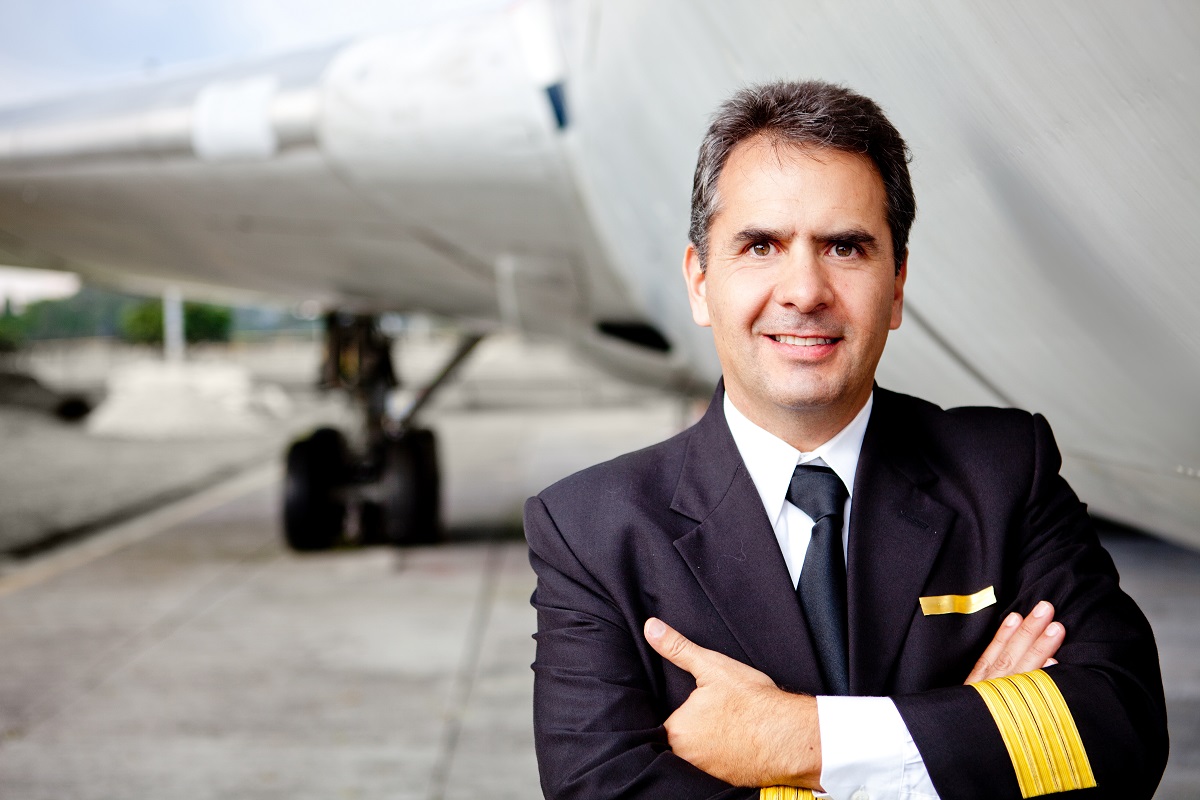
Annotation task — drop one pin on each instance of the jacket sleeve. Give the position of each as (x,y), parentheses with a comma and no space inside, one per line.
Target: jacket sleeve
(1096,721)
(597,727)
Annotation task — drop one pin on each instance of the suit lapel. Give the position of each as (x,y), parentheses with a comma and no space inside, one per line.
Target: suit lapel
(896,531)
(735,557)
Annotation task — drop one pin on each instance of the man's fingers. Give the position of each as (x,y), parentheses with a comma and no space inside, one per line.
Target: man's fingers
(1043,648)
(1021,645)
(984,665)
(1037,639)
(675,647)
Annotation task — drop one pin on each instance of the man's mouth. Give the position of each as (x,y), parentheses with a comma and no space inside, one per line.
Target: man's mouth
(802,341)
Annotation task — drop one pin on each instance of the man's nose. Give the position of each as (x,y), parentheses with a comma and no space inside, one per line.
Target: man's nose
(804,282)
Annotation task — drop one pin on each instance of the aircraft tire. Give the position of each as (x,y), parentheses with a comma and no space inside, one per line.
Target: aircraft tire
(412,510)
(313,516)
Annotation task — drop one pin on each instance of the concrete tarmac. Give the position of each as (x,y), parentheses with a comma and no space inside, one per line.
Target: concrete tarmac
(188,655)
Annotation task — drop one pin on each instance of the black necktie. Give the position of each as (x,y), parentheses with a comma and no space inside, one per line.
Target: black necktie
(819,492)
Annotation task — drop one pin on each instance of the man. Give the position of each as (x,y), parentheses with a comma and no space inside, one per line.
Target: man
(822,584)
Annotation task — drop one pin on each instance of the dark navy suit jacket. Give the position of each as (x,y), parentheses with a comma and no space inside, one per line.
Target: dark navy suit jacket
(945,502)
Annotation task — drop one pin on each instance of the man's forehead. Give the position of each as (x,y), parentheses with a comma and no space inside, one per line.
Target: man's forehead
(757,167)
(775,151)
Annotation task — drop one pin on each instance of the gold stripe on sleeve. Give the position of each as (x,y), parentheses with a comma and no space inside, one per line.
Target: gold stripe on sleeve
(784,793)
(958,603)
(1039,733)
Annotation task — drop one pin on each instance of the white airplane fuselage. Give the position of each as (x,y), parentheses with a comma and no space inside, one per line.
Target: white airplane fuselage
(1052,265)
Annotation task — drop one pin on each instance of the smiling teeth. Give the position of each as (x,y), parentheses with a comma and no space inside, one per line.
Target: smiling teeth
(802,341)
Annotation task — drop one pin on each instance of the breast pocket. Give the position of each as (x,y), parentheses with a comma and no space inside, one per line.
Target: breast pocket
(946,638)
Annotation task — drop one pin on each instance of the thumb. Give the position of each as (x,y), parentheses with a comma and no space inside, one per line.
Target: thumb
(675,647)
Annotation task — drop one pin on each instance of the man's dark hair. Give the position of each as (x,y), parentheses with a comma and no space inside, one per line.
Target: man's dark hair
(807,114)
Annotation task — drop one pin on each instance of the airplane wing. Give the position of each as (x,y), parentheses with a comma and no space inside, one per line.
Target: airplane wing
(1052,264)
(426,171)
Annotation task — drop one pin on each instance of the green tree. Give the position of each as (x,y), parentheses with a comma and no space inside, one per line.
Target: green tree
(207,323)
(12,329)
(90,312)
(143,323)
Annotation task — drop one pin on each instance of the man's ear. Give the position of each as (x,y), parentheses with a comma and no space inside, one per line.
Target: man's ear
(898,293)
(697,286)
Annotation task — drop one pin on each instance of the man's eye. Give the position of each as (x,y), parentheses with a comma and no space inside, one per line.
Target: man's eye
(760,249)
(843,250)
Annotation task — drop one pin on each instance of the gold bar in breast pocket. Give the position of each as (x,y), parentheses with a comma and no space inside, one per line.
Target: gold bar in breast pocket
(958,603)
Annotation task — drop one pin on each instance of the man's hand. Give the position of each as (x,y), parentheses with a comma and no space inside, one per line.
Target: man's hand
(738,725)
(1021,645)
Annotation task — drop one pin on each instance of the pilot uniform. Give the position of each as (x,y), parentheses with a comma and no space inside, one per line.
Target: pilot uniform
(960,517)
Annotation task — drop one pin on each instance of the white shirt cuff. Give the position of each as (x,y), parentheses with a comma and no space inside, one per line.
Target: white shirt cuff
(867,752)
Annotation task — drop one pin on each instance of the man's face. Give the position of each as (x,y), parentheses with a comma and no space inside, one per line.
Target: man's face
(801,287)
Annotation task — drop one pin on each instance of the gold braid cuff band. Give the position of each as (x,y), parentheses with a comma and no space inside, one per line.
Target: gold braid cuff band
(1039,733)
(784,793)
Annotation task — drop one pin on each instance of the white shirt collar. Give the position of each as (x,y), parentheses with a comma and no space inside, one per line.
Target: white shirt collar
(770,460)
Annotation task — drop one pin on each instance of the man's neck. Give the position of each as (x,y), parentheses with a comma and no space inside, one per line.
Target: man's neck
(771,461)
(804,429)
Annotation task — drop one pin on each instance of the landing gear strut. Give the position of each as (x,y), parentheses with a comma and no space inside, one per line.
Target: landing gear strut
(389,491)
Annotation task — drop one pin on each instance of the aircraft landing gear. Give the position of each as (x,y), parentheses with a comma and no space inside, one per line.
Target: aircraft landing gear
(404,507)
(313,511)
(390,491)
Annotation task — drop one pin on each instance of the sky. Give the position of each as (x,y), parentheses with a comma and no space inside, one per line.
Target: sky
(22,286)
(51,48)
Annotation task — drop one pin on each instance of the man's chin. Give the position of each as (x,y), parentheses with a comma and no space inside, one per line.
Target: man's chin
(808,398)
(820,398)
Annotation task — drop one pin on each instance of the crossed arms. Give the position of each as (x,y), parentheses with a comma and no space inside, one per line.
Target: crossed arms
(740,727)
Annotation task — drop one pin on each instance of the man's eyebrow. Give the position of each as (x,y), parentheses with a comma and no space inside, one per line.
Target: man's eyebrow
(855,236)
(749,235)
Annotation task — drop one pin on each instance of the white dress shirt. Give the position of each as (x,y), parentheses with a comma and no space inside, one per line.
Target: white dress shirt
(867,752)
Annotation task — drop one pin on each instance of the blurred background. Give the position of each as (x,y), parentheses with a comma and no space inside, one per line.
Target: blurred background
(301,301)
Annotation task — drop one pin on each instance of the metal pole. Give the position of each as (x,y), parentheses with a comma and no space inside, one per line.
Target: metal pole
(173,340)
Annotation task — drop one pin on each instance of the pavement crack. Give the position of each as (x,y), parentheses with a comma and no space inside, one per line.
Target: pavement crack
(468,671)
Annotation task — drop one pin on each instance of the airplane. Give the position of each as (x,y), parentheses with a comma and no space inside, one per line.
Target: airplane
(530,168)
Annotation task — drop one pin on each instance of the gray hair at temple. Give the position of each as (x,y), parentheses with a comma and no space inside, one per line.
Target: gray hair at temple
(806,114)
